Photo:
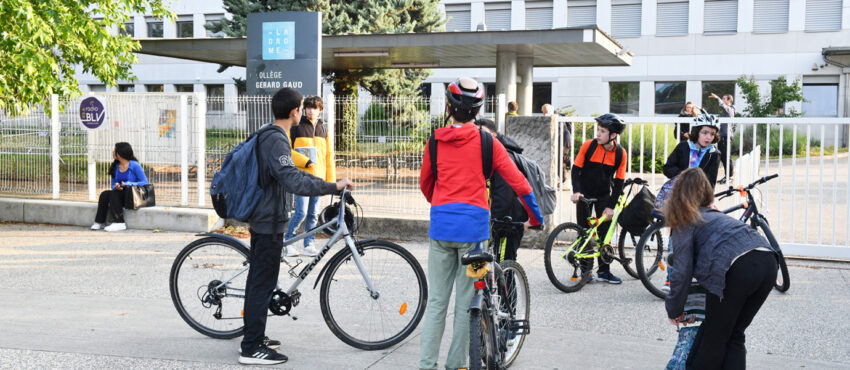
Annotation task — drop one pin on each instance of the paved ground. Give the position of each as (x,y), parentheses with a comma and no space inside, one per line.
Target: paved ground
(74,298)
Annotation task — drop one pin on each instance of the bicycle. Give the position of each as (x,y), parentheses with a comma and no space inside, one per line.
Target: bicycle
(757,221)
(576,246)
(499,311)
(373,293)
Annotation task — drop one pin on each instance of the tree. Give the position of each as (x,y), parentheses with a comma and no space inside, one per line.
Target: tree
(353,17)
(41,43)
(780,93)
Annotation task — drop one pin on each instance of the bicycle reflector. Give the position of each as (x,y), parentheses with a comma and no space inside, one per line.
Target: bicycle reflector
(403,308)
(480,285)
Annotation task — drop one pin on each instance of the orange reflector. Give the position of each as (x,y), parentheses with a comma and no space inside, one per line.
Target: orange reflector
(243,313)
(479,284)
(661,265)
(403,308)
(574,278)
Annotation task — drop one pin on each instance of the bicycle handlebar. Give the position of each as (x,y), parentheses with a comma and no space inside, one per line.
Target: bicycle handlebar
(588,200)
(636,181)
(731,190)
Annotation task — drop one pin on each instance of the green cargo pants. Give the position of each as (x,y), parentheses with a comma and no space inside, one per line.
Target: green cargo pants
(444,268)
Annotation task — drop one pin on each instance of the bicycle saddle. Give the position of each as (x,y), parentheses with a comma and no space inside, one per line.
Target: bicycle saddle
(476,256)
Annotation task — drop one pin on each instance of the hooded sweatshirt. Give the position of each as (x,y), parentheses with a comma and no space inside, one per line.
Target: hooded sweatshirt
(458,196)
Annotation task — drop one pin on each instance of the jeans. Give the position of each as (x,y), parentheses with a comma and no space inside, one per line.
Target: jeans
(262,279)
(445,269)
(304,205)
(110,201)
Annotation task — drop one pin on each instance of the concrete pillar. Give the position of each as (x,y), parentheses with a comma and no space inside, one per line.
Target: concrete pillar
(525,91)
(506,74)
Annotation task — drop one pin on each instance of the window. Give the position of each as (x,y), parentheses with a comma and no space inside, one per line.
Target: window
(671,18)
(625,97)
(581,13)
(154,88)
(770,16)
(823,15)
(719,88)
(538,15)
(625,18)
(669,97)
(97,88)
(126,88)
(184,88)
(215,97)
(721,16)
(154,27)
(212,20)
(185,27)
(497,16)
(129,29)
(458,17)
(821,99)
(540,94)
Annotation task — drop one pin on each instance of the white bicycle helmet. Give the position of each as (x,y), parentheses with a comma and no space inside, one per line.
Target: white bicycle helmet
(706,119)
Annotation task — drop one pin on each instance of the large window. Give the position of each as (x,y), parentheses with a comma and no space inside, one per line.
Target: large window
(215,98)
(128,30)
(625,98)
(671,18)
(210,21)
(669,97)
(538,15)
(541,93)
(185,27)
(721,16)
(823,15)
(770,16)
(154,27)
(458,17)
(126,88)
(154,88)
(187,88)
(625,18)
(719,88)
(97,88)
(821,100)
(581,13)
(497,16)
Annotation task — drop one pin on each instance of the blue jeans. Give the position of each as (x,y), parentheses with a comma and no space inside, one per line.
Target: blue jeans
(303,206)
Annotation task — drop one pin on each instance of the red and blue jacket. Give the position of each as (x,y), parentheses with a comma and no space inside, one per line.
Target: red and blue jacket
(458,197)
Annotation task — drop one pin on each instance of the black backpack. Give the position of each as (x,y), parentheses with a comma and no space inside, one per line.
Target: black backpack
(637,215)
(618,154)
(486,154)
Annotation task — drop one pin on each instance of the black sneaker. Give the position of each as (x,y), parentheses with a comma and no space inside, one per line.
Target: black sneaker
(271,343)
(721,181)
(262,356)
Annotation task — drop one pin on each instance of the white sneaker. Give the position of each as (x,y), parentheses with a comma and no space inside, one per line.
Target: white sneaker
(116,227)
(292,251)
(309,251)
(96,226)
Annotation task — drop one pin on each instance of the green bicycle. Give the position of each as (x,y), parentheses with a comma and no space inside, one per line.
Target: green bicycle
(570,248)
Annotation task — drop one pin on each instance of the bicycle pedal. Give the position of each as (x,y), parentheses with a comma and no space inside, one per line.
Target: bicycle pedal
(521,327)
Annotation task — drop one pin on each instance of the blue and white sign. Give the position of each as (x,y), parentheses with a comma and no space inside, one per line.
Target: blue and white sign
(92,112)
(278,40)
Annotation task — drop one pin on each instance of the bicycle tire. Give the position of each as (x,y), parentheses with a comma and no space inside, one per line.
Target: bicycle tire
(548,260)
(175,284)
(335,318)
(652,233)
(621,247)
(482,340)
(783,280)
(520,280)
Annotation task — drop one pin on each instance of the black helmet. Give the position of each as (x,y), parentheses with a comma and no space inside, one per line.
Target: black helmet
(464,98)
(612,122)
(332,211)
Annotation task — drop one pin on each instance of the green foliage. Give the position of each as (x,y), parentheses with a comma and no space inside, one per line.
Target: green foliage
(788,139)
(44,41)
(780,93)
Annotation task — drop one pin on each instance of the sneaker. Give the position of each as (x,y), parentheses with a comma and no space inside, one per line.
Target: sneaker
(96,226)
(609,277)
(721,181)
(666,287)
(292,251)
(269,343)
(262,356)
(118,226)
(309,251)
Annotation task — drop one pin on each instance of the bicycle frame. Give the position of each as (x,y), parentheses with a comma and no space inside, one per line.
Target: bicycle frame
(591,233)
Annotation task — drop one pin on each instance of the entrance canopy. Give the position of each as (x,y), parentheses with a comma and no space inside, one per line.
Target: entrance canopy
(567,47)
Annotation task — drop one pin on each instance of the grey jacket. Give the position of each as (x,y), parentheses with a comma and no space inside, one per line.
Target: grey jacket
(279,176)
(706,251)
(728,111)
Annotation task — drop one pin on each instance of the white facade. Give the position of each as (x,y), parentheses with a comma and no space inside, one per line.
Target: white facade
(687,42)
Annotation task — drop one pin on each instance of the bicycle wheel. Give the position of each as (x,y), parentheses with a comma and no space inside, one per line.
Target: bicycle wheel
(362,321)
(518,303)
(649,259)
(482,340)
(565,271)
(197,290)
(783,280)
(627,252)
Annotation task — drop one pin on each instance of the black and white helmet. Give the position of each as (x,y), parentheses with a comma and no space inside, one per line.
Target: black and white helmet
(706,119)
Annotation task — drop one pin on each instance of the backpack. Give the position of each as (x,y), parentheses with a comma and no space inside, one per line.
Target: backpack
(618,154)
(486,154)
(546,195)
(637,215)
(235,189)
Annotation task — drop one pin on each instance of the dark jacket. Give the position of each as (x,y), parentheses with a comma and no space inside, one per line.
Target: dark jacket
(598,177)
(503,199)
(685,127)
(706,251)
(680,158)
(279,176)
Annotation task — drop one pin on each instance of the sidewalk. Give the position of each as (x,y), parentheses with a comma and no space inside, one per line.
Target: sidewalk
(74,298)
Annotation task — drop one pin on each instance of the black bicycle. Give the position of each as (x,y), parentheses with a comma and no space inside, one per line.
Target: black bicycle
(373,293)
(650,251)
